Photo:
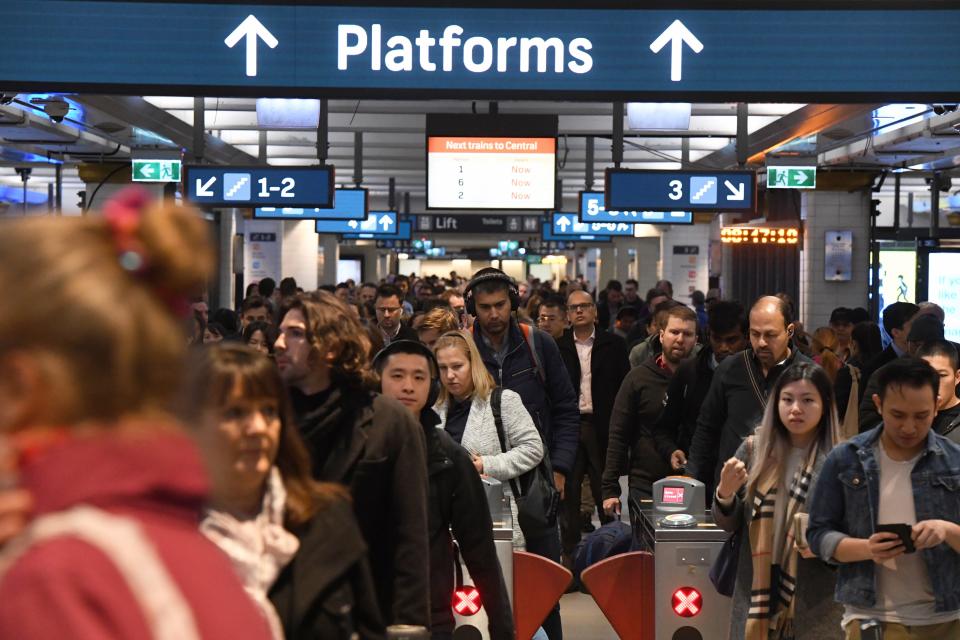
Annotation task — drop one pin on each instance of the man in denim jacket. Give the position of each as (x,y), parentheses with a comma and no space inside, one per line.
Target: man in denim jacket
(900,472)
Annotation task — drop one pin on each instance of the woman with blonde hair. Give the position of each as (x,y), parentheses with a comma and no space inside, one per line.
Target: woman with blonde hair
(92,361)
(782,591)
(466,410)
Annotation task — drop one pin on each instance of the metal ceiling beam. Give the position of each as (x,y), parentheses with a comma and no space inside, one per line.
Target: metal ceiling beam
(806,121)
(137,112)
(924,129)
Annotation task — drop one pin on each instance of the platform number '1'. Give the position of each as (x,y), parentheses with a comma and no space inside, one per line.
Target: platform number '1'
(286,192)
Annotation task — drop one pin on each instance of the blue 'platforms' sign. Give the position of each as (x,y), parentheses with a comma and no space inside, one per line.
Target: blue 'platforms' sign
(780,50)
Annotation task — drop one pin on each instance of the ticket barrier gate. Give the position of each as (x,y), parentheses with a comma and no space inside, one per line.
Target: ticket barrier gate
(684,540)
(469,614)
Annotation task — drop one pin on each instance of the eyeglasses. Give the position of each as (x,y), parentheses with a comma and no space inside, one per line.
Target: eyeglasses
(579,307)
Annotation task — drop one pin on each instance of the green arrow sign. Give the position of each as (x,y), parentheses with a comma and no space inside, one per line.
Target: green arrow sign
(156,170)
(791,177)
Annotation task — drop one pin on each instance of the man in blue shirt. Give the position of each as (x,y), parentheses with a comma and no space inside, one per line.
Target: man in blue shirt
(899,476)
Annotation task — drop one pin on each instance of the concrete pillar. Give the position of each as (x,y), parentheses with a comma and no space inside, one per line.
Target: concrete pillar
(326,268)
(299,253)
(648,256)
(225,277)
(607,266)
(626,266)
(832,211)
(684,257)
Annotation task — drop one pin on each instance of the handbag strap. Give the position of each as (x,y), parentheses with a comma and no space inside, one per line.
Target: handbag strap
(753,379)
(495,398)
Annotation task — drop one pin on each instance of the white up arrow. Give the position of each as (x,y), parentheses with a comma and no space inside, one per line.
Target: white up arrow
(737,192)
(385,222)
(676,34)
(352,224)
(203,189)
(251,29)
(563,222)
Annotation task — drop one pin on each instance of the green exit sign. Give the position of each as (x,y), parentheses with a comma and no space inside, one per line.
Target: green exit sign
(156,170)
(791,177)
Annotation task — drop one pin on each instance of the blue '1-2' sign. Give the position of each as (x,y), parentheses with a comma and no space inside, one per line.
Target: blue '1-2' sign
(681,190)
(592,210)
(259,186)
(780,49)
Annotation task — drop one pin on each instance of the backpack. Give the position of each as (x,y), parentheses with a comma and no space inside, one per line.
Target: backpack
(609,540)
(530,338)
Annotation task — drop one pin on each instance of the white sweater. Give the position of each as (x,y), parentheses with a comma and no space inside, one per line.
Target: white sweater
(524,446)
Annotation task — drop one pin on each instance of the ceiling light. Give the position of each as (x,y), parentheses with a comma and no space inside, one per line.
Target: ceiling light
(288,113)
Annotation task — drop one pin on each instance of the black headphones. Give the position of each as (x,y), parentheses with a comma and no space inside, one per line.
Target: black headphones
(490,274)
(412,346)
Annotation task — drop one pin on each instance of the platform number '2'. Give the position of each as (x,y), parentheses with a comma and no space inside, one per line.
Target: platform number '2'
(677,190)
(286,192)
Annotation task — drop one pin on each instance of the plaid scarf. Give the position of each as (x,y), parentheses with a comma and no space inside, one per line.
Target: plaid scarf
(772,604)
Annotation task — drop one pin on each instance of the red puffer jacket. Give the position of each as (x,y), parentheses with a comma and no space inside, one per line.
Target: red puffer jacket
(65,587)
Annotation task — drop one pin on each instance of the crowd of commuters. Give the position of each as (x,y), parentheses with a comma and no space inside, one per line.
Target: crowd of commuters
(312,464)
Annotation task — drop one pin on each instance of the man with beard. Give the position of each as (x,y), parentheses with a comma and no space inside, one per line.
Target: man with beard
(637,407)
(673,432)
(363,440)
(741,385)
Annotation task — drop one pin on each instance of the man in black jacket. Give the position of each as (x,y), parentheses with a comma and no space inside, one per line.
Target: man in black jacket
(741,385)
(365,441)
(898,321)
(409,373)
(636,409)
(687,389)
(527,361)
(597,363)
(389,309)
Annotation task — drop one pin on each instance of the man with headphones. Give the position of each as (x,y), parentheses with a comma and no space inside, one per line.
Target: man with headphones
(527,361)
(457,501)
(741,385)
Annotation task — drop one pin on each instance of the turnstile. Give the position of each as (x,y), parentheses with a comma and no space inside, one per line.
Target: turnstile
(471,624)
(687,607)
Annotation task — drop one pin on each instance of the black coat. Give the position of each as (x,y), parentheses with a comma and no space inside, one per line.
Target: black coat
(373,445)
(608,367)
(731,412)
(327,590)
(458,502)
(637,407)
(685,395)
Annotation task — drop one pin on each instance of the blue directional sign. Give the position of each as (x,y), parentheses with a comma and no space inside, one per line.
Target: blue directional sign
(302,49)
(404,231)
(627,189)
(592,210)
(567,224)
(348,204)
(259,186)
(382,222)
(547,235)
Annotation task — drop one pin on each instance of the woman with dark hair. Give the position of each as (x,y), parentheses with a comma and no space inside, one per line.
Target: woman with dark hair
(866,343)
(259,336)
(782,591)
(214,332)
(285,534)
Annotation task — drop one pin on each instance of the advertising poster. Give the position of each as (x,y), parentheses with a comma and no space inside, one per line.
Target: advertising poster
(898,277)
(944,288)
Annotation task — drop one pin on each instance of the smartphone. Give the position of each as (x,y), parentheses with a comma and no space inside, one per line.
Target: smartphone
(800,521)
(871,630)
(904,531)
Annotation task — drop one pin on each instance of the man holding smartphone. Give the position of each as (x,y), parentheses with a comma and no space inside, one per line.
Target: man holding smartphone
(887,508)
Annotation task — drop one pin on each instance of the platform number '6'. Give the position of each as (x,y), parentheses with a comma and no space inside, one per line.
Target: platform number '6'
(677,192)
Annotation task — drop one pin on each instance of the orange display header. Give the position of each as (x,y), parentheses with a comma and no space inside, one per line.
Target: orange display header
(441,144)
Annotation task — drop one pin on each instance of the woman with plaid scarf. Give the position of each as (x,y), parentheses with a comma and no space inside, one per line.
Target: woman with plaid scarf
(783,591)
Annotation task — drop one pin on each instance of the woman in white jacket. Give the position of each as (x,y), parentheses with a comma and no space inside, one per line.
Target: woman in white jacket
(466,414)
